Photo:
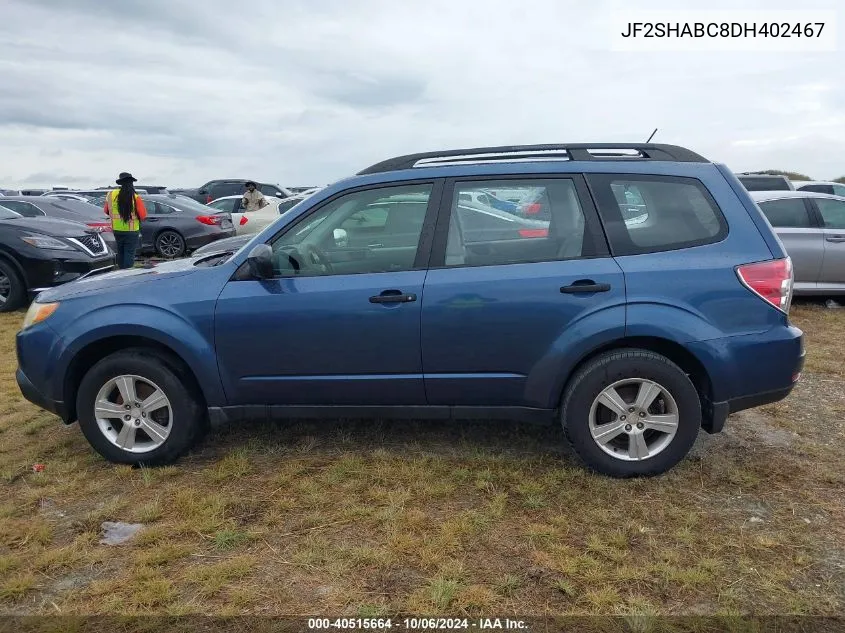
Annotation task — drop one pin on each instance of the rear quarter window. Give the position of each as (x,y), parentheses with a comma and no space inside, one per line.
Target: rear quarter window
(648,214)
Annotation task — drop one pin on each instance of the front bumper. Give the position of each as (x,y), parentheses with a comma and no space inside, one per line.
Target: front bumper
(39,399)
(48,273)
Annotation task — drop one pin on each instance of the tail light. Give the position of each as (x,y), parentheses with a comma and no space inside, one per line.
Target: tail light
(770,280)
(100,227)
(534,232)
(210,220)
(243,220)
(533,209)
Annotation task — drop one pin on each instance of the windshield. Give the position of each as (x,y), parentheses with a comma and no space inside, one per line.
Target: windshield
(77,206)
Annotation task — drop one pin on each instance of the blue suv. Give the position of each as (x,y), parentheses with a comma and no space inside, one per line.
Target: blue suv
(383,296)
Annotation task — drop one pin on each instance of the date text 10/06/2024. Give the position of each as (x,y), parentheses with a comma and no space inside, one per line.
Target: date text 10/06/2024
(417,624)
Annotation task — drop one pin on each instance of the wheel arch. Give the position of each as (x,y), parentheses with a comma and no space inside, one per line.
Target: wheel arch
(97,350)
(14,263)
(674,351)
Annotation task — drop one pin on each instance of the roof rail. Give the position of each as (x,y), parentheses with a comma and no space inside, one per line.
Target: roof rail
(521,153)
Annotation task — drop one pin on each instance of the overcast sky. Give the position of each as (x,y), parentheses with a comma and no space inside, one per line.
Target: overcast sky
(306,92)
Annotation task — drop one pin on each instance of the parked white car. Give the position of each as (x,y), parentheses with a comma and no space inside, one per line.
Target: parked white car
(248,223)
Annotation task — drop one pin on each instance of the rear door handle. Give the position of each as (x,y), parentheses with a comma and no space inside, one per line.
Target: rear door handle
(393,296)
(835,238)
(585,285)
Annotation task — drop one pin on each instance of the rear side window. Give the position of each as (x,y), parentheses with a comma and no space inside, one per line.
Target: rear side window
(646,214)
(788,213)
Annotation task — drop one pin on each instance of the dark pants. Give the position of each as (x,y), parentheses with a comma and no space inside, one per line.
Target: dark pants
(127,244)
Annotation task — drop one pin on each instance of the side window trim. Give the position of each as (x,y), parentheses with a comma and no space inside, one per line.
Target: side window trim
(595,243)
(816,219)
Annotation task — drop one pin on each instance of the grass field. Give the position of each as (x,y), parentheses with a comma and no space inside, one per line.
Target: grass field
(430,518)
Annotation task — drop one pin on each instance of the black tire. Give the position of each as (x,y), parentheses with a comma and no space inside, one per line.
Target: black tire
(12,286)
(606,369)
(163,243)
(188,421)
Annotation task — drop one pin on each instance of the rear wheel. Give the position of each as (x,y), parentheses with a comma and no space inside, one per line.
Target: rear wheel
(12,288)
(631,413)
(134,409)
(170,244)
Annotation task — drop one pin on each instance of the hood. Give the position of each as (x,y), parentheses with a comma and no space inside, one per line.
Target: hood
(48,226)
(119,278)
(224,245)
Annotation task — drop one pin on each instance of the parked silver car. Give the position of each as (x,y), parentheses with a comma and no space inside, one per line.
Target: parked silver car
(812,228)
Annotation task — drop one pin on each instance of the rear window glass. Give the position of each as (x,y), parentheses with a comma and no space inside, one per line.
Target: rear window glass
(787,213)
(645,214)
(761,183)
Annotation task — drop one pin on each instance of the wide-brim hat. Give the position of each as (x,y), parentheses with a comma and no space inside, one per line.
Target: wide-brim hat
(125,176)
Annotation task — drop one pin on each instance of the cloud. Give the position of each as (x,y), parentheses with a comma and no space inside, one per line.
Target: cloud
(309,91)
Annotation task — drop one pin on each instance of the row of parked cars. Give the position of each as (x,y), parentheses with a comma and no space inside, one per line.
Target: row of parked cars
(809,218)
(48,238)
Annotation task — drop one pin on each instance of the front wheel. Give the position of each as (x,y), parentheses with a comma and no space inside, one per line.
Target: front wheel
(133,409)
(170,245)
(12,288)
(631,413)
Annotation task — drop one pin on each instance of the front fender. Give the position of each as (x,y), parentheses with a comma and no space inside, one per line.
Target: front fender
(154,323)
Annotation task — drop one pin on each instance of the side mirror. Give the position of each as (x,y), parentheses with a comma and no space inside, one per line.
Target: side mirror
(341,238)
(260,262)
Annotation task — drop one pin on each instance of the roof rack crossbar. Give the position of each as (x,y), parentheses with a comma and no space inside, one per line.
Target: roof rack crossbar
(574,151)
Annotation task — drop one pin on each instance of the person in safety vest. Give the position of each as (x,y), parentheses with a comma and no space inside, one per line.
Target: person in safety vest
(126,210)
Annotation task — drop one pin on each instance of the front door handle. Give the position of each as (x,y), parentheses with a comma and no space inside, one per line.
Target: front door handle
(835,238)
(585,285)
(393,296)
(149,219)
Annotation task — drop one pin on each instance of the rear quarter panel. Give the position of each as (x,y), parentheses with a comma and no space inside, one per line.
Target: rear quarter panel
(694,297)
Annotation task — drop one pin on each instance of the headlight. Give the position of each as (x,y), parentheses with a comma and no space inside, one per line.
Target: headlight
(47,242)
(38,312)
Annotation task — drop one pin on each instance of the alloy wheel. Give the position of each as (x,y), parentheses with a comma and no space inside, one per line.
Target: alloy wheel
(634,419)
(5,288)
(133,413)
(170,244)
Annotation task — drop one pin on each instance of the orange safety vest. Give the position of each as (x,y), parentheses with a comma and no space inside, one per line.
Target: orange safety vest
(117,223)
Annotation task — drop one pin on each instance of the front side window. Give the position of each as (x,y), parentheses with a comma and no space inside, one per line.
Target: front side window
(839,190)
(547,225)
(659,213)
(371,231)
(833,213)
(787,213)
